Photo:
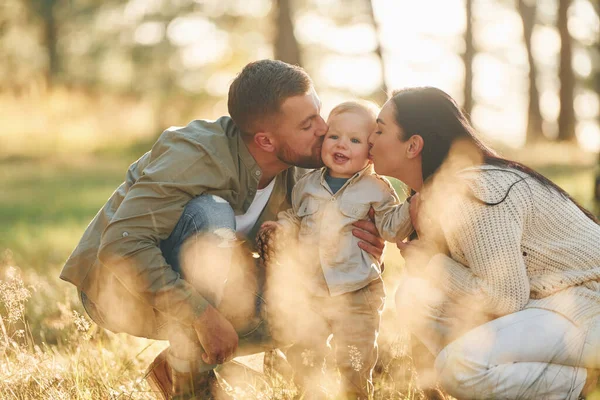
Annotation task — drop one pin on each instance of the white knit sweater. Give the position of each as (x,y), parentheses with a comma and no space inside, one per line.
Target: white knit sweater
(535,249)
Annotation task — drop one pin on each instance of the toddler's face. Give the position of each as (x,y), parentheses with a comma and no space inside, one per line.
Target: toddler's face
(346,148)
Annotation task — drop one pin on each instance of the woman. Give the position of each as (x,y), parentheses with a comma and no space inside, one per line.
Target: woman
(503,283)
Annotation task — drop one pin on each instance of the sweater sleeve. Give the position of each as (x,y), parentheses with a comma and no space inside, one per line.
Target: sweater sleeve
(487,241)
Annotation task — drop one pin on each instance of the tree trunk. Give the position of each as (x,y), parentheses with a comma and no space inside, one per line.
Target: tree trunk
(566,117)
(468,56)
(381,95)
(527,10)
(286,45)
(50,40)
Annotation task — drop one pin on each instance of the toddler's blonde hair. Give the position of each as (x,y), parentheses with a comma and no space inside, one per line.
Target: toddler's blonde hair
(365,107)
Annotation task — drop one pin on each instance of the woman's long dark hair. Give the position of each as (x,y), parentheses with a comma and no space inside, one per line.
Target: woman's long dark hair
(434,115)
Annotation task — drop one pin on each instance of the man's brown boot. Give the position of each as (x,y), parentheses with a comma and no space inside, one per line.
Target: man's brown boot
(168,384)
(159,376)
(189,386)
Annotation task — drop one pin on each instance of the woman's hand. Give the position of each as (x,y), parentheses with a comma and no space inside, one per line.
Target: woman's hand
(415,203)
(417,253)
(371,241)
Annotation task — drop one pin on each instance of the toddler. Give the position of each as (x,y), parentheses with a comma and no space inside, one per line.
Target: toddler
(345,290)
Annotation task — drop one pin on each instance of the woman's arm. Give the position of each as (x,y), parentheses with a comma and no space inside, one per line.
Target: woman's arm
(487,239)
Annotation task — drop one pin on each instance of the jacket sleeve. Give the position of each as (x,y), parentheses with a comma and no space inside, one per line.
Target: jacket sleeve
(178,170)
(489,239)
(392,219)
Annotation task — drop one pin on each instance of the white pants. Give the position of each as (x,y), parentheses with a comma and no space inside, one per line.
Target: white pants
(531,354)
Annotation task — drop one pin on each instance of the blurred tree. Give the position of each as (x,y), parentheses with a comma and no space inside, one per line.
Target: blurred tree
(285,44)
(566,117)
(46,11)
(381,94)
(533,132)
(468,56)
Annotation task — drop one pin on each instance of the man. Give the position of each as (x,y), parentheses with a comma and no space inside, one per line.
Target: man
(209,182)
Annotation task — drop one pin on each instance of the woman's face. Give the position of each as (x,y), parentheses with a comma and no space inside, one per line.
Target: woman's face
(388,151)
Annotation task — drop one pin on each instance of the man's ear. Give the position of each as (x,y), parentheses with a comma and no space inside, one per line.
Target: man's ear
(265,141)
(415,146)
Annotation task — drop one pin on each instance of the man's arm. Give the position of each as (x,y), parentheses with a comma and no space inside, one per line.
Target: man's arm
(179,170)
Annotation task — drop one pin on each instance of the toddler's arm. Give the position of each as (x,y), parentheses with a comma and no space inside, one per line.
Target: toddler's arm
(392,218)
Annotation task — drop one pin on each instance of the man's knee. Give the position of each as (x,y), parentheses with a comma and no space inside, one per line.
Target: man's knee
(209,213)
(117,310)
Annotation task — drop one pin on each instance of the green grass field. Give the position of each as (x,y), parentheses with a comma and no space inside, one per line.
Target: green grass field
(49,350)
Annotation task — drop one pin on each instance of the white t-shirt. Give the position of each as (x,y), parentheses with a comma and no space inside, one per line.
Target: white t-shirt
(245,222)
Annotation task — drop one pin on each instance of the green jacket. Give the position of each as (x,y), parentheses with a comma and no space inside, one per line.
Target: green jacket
(120,248)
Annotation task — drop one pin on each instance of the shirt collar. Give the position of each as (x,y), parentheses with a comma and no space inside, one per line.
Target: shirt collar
(368,170)
(246,158)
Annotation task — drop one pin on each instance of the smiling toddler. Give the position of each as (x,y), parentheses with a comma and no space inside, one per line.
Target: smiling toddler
(346,293)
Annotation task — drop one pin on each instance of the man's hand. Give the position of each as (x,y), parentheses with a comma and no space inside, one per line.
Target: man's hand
(217,336)
(367,232)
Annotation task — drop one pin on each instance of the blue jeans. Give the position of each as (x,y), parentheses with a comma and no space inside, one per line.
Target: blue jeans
(203,249)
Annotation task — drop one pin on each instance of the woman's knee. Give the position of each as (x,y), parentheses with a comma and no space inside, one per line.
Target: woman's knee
(460,375)
(416,299)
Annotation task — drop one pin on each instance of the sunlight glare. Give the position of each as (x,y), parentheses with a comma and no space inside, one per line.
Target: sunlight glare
(588,135)
(310,27)
(250,8)
(135,10)
(493,123)
(218,84)
(359,74)
(505,30)
(582,63)
(444,73)
(184,31)
(202,53)
(353,39)
(404,22)
(583,22)
(587,104)
(212,8)
(149,33)
(489,78)
(549,105)
(545,42)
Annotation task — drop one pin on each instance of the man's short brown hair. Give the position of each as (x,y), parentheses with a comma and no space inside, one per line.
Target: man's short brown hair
(260,89)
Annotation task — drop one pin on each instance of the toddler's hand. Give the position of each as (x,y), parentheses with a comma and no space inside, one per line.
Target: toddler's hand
(270,225)
(266,241)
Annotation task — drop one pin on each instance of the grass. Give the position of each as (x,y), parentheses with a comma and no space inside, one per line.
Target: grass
(48,349)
